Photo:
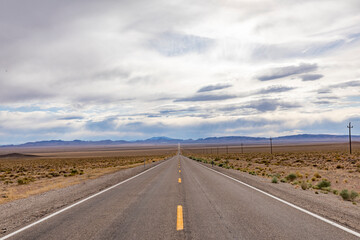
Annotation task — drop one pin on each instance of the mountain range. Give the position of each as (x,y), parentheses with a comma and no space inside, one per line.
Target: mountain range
(301,138)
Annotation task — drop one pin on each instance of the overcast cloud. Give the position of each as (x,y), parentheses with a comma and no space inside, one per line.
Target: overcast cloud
(282,72)
(185,69)
(210,88)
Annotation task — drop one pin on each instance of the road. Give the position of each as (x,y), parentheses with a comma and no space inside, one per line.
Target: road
(181,199)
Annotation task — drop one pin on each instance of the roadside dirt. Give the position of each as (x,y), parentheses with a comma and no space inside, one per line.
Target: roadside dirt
(23,175)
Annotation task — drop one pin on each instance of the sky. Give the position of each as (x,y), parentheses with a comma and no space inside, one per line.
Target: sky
(134,69)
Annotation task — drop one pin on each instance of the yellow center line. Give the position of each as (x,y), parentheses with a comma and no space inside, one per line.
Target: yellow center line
(180,221)
(179,171)
(179,180)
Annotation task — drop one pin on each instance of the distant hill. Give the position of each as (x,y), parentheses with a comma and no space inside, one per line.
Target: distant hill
(159,140)
(301,138)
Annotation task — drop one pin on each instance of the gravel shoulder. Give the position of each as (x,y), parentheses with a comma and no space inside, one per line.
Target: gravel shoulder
(19,213)
(328,205)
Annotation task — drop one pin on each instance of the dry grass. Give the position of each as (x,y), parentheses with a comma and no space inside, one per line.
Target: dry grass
(22,177)
(329,162)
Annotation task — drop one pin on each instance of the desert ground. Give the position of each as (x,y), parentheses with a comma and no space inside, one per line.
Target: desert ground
(29,171)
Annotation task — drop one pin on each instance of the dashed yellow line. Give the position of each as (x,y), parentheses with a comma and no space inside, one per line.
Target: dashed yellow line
(179,180)
(179,171)
(180,221)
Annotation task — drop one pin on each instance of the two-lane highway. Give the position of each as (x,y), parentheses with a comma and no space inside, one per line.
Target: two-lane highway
(181,199)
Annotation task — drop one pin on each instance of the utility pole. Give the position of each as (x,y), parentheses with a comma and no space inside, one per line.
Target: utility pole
(242,148)
(350,127)
(270,145)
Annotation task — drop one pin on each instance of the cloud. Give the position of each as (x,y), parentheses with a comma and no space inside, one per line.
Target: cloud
(170,111)
(311,77)
(265,105)
(111,74)
(343,85)
(74,117)
(322,102)
(281,72)
(145,128)
(11,93)
(324,91)
(100,70)
(195,129)
(306,49)
(153,116)
(99,99)
(206,97)
(173,44)
(274,89)
(355,83)
(108,124)
(295,50)
(210,88)
(328,97)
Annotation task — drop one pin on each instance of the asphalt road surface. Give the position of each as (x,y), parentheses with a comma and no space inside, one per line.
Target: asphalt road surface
(181,199)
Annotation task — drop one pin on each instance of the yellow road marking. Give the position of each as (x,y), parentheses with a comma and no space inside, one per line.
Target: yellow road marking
(179,171)
(180,221)
(179,180)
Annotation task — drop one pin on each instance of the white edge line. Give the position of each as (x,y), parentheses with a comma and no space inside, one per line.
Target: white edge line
(75,204)
(290,204)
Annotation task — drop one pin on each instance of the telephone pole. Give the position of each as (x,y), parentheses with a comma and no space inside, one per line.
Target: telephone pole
(270,145)
(350,127)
